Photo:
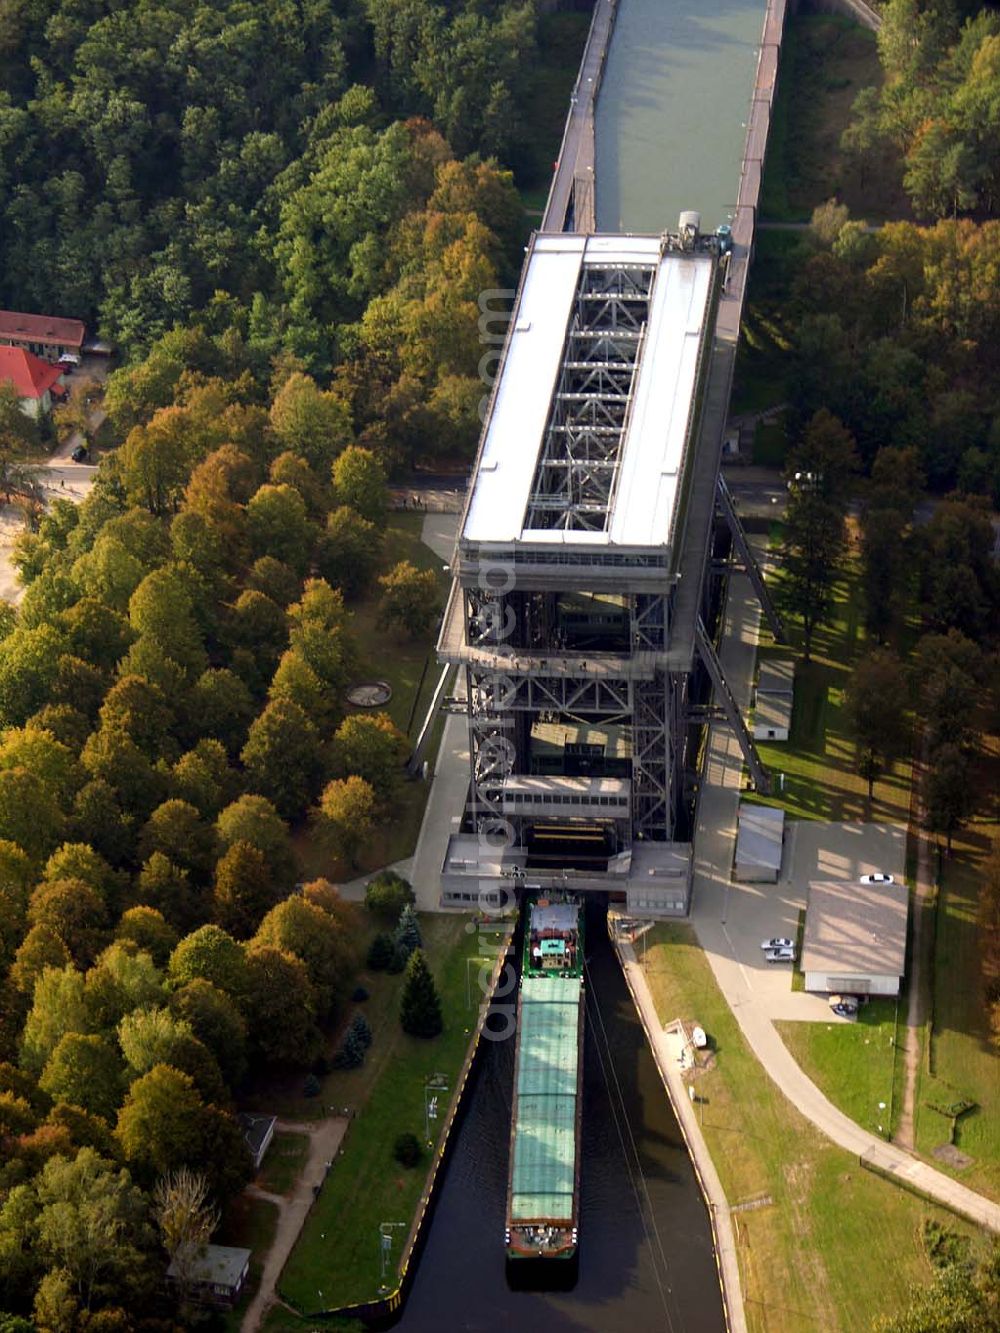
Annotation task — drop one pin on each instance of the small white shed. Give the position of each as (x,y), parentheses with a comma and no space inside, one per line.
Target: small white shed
(774,698)
(759,837)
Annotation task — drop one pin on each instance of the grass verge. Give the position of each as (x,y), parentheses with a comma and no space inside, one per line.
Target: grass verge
(852,1063)
(284,1162)
(335,1261)
(836,1246)
(963,1059)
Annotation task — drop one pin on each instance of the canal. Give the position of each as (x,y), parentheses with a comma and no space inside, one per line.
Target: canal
(646,1259)
(671,115)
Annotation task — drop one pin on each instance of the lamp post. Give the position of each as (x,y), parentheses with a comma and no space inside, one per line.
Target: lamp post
(385,1230)
(434,1088)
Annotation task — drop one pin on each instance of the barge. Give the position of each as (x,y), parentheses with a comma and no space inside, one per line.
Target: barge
(543,1191)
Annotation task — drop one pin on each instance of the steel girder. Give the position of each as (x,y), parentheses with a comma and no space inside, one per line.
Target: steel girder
(574,482)
(750,566)
(497,692)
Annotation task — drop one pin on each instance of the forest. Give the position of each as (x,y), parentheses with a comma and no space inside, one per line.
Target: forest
(318,177)
(282,217)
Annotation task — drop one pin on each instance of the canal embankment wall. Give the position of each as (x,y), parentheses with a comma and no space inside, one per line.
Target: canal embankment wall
(719,1212)
(389,1304)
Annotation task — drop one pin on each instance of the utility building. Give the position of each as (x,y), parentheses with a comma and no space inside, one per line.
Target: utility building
(583,575)
(855,938)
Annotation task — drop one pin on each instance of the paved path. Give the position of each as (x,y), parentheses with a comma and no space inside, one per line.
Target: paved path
(715,922)
(326,1137)
(668,1052)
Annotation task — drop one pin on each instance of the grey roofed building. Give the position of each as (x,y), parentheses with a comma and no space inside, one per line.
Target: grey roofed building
(777,676)
(772,717)
(257,1131)
(759,837)
(216,1275)
(855,937)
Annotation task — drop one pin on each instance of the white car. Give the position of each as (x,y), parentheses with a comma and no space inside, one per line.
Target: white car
(877,877)
(779,942)
(786,955)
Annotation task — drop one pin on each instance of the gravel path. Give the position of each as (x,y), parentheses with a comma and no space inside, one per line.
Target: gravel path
(326,1137)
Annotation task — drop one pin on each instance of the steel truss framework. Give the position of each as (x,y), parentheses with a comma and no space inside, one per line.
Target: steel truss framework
(577,471)
(490,619)
(653,710)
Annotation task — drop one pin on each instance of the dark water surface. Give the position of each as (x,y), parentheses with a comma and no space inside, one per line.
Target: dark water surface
(646,1258)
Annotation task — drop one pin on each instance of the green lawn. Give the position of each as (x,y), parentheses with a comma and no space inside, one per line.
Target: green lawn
(284,1161)
(337,1252)
(250,1223)
(854,1064)
(837,1246)
(964,1060)
(818,761)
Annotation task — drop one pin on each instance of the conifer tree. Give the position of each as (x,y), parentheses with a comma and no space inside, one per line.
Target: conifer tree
(420,1007)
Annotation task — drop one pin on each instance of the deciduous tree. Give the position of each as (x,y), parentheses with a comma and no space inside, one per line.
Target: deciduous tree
(370,746)
(346,814)
(410,600)
(283,757)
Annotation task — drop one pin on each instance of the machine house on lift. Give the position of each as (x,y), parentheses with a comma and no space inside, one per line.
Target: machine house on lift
(582,586)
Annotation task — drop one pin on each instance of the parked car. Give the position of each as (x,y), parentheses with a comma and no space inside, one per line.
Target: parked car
(69,361)
(784,955)
(80,454)
(779,942)
(877,877)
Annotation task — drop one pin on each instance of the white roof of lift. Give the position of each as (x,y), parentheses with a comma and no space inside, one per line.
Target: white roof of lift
(649,468)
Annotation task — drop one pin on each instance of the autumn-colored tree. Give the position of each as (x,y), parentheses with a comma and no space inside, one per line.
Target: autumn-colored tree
(244,889)
(410,600)
(370,746)
(213,955)
(176,830)
(359,483)
(283,757)
(160,1123)
(280,1006)
(147,929)
(346,815)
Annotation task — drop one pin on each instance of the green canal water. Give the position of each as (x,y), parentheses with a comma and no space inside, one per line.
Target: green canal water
(672,110)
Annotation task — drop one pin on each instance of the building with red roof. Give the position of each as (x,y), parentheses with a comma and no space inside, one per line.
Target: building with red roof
(47,336)
(37,382)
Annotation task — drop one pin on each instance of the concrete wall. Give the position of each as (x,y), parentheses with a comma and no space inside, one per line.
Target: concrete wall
(871,985)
